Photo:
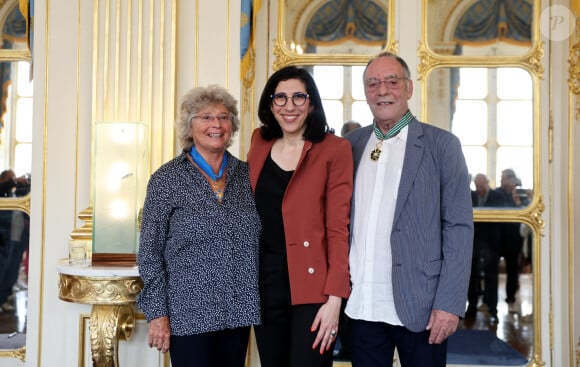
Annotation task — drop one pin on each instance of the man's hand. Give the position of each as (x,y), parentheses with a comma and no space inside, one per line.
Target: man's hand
(442,324)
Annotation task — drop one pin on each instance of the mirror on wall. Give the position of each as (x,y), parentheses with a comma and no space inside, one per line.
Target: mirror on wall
(501,293)
(15,167)
(15,181)
(479,27)
(335,27)
(489,102)
(491,111)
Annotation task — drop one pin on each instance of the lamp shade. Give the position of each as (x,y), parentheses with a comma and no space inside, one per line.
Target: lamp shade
(121,168)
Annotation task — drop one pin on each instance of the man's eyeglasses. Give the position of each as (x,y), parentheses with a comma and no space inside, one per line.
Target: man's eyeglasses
(392,83)
(224,117)
(280,99)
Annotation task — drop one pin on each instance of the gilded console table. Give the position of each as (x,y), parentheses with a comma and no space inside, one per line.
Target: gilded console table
(112,292)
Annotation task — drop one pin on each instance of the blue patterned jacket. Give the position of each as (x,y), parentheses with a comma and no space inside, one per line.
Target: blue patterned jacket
(198,258)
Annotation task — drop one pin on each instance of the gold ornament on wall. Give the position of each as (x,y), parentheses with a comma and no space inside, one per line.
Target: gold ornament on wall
(574,69)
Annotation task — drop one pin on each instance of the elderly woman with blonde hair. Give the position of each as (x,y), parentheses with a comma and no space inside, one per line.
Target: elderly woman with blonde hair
(198,250)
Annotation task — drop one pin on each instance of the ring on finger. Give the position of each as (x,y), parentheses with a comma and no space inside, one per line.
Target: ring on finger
(333,333)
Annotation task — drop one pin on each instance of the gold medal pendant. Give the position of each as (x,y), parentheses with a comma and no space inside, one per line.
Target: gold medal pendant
(376,153)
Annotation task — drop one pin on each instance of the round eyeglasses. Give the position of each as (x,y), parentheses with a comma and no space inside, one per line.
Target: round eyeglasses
(280,99)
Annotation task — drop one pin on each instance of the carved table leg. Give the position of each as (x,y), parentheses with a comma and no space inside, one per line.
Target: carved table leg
(108,325)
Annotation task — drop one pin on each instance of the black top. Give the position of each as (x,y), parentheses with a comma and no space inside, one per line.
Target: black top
(270,190)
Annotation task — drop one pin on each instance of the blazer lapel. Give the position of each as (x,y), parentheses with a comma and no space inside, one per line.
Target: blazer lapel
(413,153)
(359,145)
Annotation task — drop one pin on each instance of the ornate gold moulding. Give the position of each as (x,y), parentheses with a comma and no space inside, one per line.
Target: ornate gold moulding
(112,292)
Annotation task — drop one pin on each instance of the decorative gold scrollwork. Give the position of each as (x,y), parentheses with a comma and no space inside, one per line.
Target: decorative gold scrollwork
(534,59)
(574,69)
(536,362)
(282,57)
(427,61)
(108,325)
(535,215)
(248,82)
(99,290)
(112,316)
(577,353)
(14,353)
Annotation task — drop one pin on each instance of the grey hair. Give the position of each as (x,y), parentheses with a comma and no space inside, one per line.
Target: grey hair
(197,99)
(390,55)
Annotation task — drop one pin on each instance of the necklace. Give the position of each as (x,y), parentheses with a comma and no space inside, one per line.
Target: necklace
(376,153)
(205,167)
(404,121)
(216,182)
(218,187)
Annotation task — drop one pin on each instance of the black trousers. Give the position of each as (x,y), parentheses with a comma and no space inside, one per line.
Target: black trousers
(284,338)
(287,340)
(226,348)
(373,345)
(485,263)
(511,249)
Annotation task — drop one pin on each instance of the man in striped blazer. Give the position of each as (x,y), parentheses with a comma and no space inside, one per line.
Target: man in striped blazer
(411,229)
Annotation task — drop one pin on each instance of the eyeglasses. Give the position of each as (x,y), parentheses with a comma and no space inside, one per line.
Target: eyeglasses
(391,83)
(280,99)
(209,118)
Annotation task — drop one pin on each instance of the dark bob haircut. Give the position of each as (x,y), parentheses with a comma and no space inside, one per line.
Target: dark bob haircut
(316,125)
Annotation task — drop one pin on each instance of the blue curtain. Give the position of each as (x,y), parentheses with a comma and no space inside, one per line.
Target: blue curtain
(247,24)
(245,27)
(362,21)
(488,21)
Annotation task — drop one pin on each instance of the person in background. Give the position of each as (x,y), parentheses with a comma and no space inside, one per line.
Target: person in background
(14,231)
(198,248)
(411,228)
(10,184)
(348,126)
(511,240)
(302,179)
(485,262)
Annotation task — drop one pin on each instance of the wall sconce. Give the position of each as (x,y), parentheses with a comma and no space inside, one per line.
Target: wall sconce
(120,174)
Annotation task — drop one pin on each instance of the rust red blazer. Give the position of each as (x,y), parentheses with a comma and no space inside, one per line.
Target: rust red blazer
(316,212)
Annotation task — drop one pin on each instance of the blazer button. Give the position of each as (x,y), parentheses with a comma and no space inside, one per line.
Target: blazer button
(306,243)
(310,270)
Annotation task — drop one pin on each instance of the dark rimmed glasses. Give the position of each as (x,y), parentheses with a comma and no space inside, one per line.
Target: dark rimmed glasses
(280,99)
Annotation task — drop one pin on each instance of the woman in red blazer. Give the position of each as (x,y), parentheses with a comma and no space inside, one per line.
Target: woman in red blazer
(302,177)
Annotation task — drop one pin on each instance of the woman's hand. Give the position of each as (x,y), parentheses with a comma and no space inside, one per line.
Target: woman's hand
(326,321)
(159,334)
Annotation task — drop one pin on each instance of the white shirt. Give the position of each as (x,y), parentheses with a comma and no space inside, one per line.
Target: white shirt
(375,194)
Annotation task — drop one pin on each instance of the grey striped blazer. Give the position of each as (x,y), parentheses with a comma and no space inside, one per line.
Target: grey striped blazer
(432,236)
